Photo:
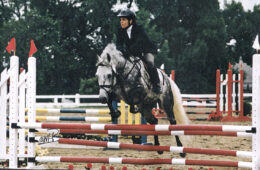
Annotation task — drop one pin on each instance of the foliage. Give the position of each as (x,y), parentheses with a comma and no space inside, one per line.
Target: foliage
(191,37)
(89,86)
(247,108)
(240,28)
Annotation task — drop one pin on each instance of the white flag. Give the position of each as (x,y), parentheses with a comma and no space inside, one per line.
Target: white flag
(256,44)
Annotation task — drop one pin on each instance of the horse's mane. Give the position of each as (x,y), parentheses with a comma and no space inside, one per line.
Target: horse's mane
(111,50)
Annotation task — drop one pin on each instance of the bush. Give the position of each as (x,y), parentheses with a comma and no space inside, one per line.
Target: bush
(247,108)
(89,86)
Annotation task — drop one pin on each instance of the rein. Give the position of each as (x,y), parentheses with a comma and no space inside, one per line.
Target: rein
(134,64)
(121,78)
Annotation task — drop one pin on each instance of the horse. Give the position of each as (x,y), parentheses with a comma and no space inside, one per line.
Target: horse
(121,78)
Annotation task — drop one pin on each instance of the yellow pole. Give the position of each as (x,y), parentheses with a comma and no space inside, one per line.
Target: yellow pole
(122,117)
(138,118)
(129,116)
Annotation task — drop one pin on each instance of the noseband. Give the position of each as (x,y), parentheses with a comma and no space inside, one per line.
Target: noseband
(119,77)
(111,86)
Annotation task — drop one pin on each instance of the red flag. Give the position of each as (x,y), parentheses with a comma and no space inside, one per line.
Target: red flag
(229,65)
(11,46)
(33,49)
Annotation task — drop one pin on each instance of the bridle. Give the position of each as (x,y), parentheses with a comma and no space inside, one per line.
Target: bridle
(110,86)
(119,77)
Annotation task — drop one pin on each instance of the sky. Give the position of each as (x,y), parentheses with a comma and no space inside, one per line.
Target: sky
(247,4)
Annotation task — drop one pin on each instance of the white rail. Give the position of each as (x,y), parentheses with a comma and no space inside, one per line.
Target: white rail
(67,101)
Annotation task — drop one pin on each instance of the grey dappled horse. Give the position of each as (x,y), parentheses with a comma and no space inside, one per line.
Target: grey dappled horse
(127,79)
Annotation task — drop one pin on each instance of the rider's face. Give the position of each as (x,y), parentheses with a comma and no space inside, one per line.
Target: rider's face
(124,22)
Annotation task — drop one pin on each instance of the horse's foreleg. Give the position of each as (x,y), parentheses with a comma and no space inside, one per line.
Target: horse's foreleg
(113,110)
(149,117)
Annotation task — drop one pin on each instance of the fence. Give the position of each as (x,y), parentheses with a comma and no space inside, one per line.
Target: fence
(77,100)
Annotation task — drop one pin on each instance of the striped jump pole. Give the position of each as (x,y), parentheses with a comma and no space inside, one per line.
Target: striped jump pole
(224,128)
(199,112)
(87,111)
(160,133)
(204,99)
(141,161)
(63,118)
(174,149)
(198,106)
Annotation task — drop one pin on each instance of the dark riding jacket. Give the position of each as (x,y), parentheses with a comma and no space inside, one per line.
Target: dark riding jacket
(137,45)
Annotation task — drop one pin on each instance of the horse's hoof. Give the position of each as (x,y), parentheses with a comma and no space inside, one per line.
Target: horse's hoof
(182,155)
(115,114)
(137,139)
(160,152)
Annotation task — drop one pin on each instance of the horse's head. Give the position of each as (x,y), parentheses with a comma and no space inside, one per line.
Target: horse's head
(106,80)
(113,57)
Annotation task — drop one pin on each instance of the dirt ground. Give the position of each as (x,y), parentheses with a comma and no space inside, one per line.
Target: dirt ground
(213,142)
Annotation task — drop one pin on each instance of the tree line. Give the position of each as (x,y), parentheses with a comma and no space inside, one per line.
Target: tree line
(191,37)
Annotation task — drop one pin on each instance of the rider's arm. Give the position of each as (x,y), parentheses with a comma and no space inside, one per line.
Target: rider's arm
(143,43)
(120,43)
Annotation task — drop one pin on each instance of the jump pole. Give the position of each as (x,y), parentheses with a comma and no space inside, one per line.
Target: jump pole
(197,127)
(146,133)
(111,160)
(174,149)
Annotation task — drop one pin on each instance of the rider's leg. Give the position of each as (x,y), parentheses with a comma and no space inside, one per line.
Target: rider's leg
(152,71)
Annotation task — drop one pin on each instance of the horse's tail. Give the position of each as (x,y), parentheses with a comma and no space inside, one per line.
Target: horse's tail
(178,109)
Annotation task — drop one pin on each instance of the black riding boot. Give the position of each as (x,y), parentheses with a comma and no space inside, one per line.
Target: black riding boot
(155,79)
(148,59)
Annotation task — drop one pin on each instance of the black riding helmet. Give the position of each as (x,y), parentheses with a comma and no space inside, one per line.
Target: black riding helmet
(127,14)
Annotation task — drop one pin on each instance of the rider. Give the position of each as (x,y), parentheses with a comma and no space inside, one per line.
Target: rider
(132,40)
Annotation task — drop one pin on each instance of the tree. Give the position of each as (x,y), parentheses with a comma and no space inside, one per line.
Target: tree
(196,35)
(68,35)
(240,28)
(191,37)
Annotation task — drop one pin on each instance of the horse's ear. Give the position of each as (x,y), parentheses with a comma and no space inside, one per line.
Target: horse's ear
(108,58)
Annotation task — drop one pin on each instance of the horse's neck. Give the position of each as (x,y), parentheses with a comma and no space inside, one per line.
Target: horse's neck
(128,71)
(118,62)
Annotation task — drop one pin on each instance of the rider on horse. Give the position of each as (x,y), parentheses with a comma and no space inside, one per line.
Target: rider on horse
(133,41)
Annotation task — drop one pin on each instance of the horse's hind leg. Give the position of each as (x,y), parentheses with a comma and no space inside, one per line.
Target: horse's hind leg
(169,111)
(149,117)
